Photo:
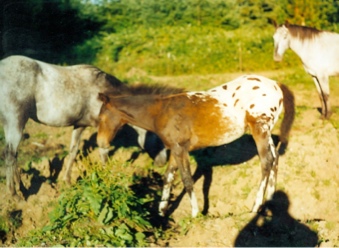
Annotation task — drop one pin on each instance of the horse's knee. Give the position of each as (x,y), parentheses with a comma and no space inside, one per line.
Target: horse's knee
(188,183)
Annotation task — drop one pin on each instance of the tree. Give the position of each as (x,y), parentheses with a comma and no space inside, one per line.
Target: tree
(46,30)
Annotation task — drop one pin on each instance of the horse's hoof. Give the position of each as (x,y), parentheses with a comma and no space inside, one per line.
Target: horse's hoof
(162,208)
(326,116)
(17,196)
(195,213)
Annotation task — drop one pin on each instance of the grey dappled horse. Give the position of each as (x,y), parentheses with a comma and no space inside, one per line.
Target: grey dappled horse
(318,51)
(54,95)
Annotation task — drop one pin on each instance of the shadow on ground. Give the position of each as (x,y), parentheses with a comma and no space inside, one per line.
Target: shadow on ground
(237,152)
(273,226)
(234,153)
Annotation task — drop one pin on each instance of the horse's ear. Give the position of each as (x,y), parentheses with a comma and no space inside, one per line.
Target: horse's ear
(286,23)
(273,22)
(102,97)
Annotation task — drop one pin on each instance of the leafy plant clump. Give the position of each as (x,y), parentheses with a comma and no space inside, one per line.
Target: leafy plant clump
(101,210)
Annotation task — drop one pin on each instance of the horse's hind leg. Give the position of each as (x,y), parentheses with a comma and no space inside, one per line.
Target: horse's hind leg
(269,162)
(323,88)
(74,147)
(182,160)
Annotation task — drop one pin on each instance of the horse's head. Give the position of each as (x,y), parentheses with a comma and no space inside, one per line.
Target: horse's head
(281,41)
(110,121)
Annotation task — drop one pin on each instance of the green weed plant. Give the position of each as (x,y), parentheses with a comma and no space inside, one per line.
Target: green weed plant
(100,210)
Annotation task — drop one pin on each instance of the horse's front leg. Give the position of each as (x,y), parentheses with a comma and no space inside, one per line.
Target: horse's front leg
(182,159)
(13,134)
(104,147)
(168,180)
(12,170)
(323,88)
(74,147)
(269,163)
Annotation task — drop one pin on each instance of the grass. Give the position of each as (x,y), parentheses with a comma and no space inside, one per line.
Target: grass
(295,162)
(181,50)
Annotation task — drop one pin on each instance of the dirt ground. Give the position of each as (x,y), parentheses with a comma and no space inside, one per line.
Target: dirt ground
(304,211)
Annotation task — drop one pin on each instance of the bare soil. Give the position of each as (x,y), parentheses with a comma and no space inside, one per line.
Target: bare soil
(304,212)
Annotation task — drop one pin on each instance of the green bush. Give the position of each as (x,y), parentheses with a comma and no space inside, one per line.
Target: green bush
(100,210)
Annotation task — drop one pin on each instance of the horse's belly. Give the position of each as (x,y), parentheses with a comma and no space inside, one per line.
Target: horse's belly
(56,119)
(217,134)
(73,110)
(231,135)
(61,116)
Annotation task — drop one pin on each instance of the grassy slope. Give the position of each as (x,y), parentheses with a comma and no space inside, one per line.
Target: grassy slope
(198,60)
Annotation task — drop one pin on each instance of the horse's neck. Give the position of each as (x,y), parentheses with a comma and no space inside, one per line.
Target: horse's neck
(301,48)
(139,111)
(313,51)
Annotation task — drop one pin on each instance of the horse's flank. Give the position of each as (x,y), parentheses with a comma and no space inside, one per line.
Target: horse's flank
(197,115)
(185,118)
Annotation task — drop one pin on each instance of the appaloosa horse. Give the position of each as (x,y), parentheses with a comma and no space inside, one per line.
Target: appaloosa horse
(56,96)
(318,51)
(194,120)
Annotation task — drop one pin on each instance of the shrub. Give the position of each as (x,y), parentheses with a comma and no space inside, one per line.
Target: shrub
(100,210)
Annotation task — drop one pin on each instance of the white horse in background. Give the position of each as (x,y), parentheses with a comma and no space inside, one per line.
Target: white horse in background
(318,51)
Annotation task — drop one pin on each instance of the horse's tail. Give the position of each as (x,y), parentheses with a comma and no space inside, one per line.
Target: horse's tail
(286,125)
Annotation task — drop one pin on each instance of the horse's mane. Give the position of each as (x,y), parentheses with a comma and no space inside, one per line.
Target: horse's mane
(144,89)
(303,32)
(120,88)
(154,89)
(113,81)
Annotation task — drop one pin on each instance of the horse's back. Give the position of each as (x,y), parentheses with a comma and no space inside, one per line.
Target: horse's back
(252,93)
(17,66)
(323,58)
(250,96)
(218,116)
(51,94)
